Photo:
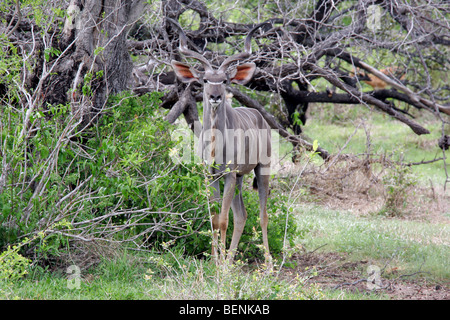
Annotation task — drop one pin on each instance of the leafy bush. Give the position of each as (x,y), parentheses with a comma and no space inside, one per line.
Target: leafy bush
(397,184)
(13,265)
(113,181)
(105,181)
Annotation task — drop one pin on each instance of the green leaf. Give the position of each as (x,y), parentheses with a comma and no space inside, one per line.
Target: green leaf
(315,145)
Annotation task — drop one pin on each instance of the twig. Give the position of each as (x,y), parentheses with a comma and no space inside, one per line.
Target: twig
(412,274)
(19,19)
(349,283)
(311,252)
(422,162)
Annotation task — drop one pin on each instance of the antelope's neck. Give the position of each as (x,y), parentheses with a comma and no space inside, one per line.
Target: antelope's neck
(216,122)
(217,118)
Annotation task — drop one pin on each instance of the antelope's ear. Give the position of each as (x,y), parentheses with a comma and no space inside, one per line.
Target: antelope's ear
(184,72)
(243,73)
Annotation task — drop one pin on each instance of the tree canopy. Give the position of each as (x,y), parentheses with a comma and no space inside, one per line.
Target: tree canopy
(381,54)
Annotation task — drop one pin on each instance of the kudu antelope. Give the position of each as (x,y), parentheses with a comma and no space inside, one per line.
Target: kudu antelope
(234,141)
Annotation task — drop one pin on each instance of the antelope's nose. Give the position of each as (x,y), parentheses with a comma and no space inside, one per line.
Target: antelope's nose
(215,98)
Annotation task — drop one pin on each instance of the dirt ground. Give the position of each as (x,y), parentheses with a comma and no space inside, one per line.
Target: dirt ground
(360,186)
(334,271)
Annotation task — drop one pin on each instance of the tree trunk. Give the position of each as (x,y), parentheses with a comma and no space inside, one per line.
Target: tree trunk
(96,61)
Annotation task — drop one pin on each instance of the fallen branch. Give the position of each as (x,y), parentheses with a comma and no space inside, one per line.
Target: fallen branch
(369,99)
(420,101)
(179,107)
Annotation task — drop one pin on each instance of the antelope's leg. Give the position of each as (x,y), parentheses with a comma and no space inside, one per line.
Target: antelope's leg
(228,193)
(215,197)
(239,218)
(263,191)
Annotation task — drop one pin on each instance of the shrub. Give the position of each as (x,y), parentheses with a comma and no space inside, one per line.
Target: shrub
(397,183)
(104,181)
(114,181)
(13,265)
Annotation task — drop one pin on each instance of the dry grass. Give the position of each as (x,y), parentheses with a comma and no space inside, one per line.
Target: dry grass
(367,184)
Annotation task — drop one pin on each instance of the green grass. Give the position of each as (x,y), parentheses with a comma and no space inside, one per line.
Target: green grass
(410,245)
(334,126)
(154,276)
(118,279)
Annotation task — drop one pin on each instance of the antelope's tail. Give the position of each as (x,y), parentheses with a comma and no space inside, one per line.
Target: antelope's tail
(255,184)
